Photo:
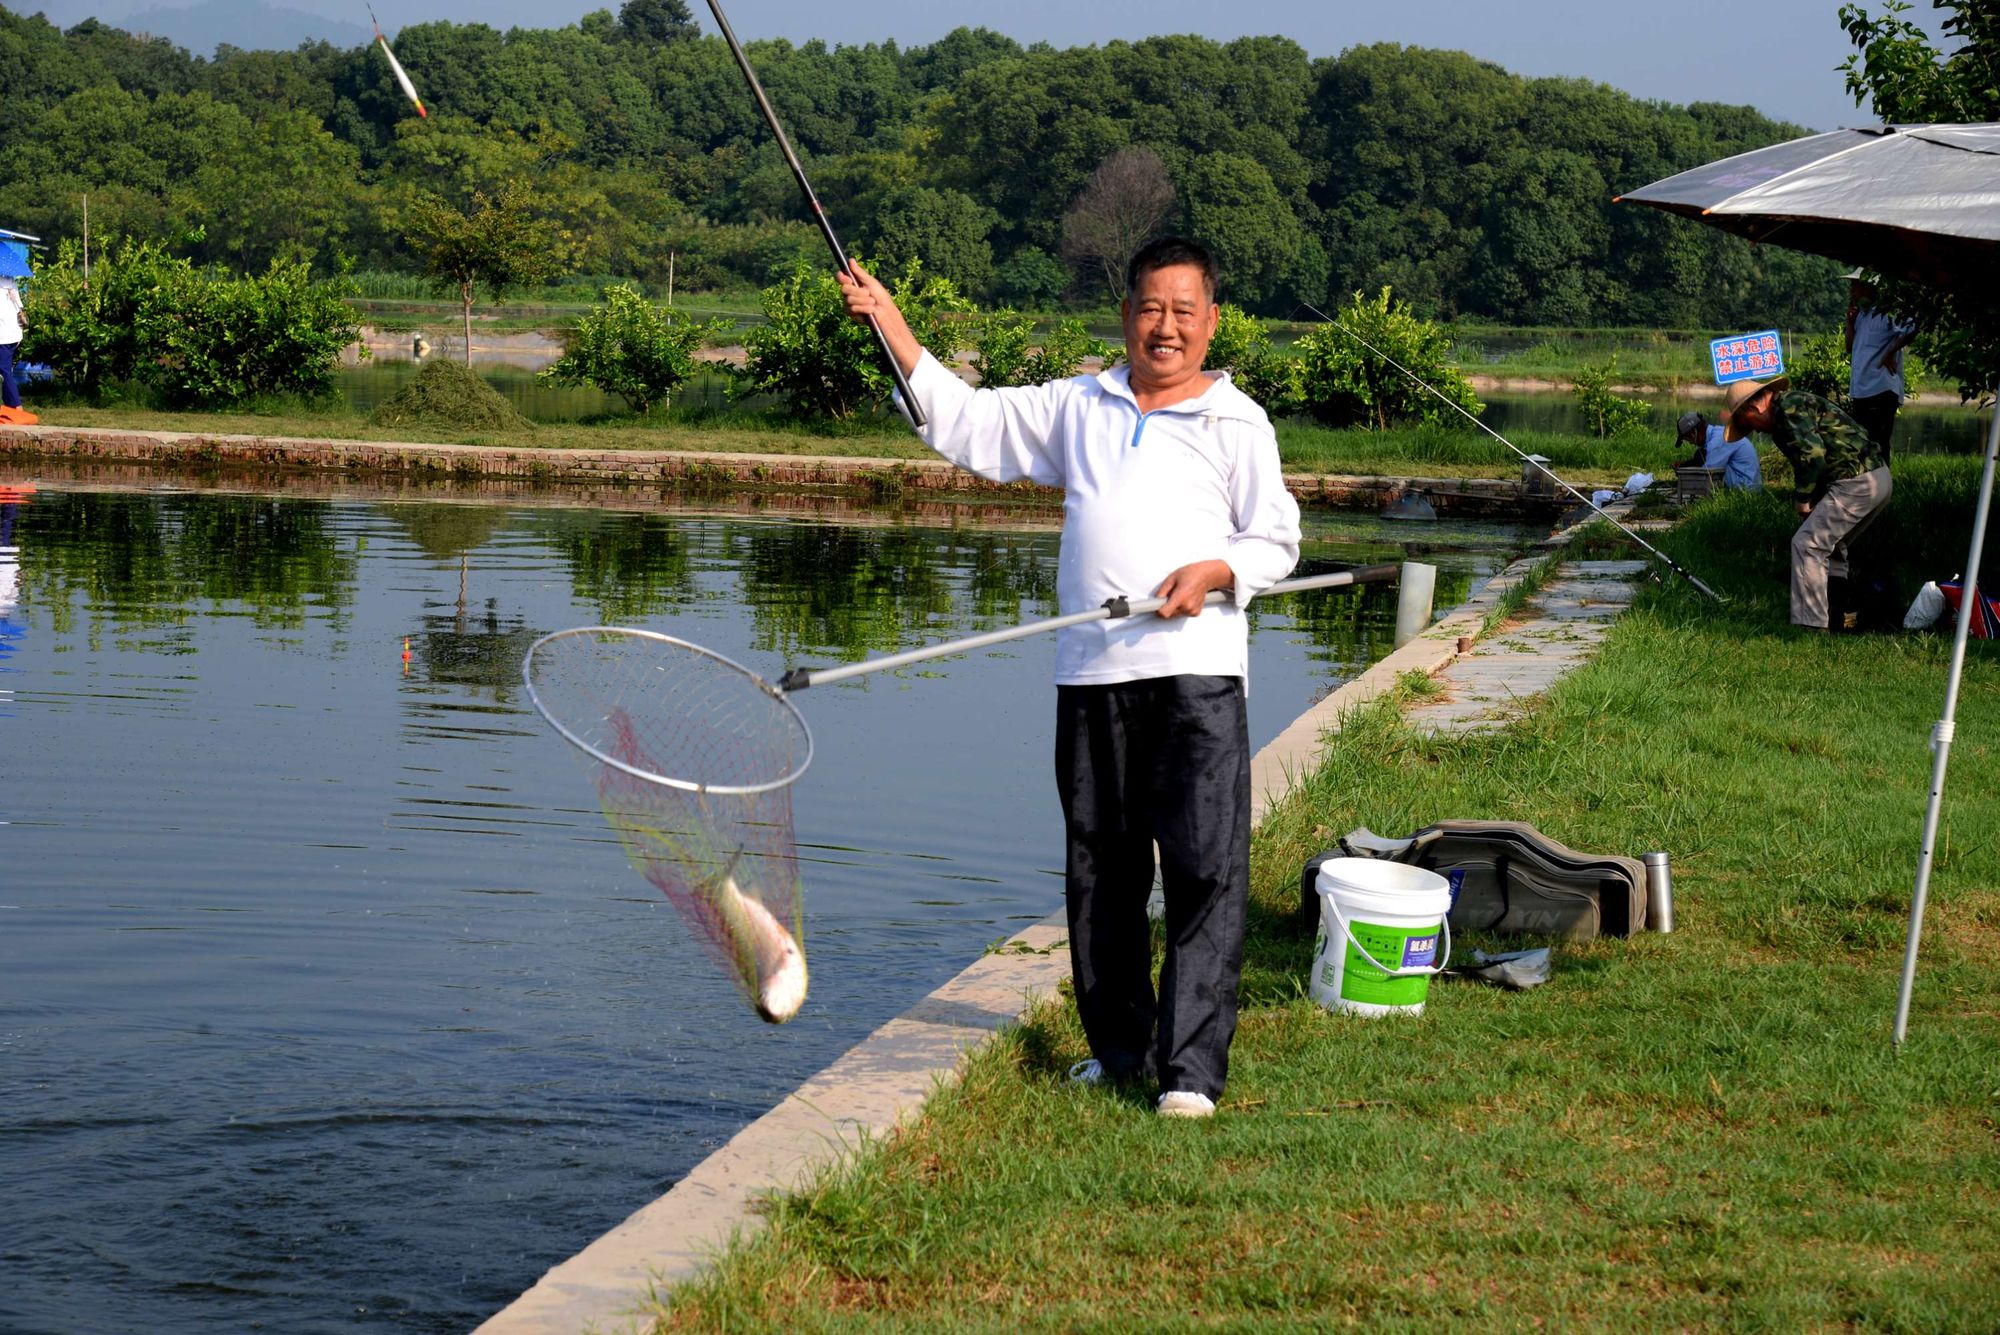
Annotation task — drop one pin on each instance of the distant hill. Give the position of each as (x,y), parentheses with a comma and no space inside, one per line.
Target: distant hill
(249,24)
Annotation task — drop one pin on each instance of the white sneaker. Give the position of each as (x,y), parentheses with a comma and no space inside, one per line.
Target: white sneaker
(1186,1103)
(1089,1072)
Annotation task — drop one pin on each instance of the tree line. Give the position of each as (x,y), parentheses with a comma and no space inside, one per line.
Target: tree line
(1017,172)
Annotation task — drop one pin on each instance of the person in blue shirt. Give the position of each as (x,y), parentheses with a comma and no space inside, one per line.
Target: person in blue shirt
(1875,344)
(1736,458)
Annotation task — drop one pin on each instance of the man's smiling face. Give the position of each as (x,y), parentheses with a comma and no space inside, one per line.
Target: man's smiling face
(1169,320)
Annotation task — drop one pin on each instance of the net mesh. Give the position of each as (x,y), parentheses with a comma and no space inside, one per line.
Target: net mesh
(693,758)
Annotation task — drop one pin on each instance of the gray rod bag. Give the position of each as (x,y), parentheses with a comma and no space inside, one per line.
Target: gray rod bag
(1507,877)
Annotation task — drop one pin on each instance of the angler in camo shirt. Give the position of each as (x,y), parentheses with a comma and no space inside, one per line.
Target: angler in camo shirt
(1841,474)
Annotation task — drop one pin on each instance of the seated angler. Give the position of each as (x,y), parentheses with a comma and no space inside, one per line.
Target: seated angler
(1713,449)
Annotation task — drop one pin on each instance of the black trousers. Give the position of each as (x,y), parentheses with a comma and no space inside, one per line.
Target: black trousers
(1164,760)
(1876,415)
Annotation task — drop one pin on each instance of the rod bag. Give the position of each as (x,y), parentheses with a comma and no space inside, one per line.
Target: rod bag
(1508,878)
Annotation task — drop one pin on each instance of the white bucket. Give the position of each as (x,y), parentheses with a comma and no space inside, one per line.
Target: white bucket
(1382,934)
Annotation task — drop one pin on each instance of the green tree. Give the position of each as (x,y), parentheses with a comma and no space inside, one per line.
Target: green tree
(826,365)
(1032,278)
(629,347)
(1000,342)
(499,242)
(1545,239)
(1342,383)
(1233,207)
(1896,69)
(286,189)
(659,22)
(941,229)
(1242,346)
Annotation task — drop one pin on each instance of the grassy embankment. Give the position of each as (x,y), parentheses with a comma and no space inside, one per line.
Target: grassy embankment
(1548,355)
(1305,447)
(1700,1130)
(1659,360)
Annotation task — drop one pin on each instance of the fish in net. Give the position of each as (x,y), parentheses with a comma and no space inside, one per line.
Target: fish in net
(693,757)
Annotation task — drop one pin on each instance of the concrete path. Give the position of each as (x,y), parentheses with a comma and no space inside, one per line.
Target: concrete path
(1556,632)
(886,1079)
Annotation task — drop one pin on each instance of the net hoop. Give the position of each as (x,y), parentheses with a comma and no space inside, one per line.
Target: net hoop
(776,696)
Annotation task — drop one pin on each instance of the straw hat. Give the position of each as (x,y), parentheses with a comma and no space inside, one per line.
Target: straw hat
(1741,393)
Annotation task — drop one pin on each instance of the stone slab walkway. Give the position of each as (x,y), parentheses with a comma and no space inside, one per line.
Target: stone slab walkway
(1557,631)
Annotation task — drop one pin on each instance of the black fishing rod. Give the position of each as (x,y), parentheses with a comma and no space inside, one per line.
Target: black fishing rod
(911,409)
(1526,458)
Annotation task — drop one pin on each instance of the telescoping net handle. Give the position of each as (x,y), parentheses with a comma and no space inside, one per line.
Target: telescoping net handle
(693,757)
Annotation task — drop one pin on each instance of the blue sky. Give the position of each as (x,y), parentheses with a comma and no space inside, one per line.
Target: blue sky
(1777,55)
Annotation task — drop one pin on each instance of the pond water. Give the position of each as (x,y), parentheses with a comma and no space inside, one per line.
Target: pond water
(328,1003)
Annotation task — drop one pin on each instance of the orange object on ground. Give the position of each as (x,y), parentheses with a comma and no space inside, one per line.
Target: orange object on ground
(18,417)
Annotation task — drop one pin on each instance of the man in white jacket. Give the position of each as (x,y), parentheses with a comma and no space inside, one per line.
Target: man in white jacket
(1171,488)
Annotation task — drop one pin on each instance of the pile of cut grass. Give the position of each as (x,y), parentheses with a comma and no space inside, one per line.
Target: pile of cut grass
(449,395)
(1707,1129)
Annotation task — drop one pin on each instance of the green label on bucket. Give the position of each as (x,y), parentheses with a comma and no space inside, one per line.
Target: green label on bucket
(1362,978)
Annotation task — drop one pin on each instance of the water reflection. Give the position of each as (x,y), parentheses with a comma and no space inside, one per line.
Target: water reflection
(328,1000)
(12,498)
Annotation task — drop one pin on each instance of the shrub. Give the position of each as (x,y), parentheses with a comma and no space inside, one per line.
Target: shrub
(449,394)
(1275,381)
(225,340)
(629,347)
(1006,354)
(1607,414)
(826,365)
(1342,383)
(89,333)
(1063,351)
(1238,338)
(1242,346)
(196,336)
(1819,366)
(1000,342)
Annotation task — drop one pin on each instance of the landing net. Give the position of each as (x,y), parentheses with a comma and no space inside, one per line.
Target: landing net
(693,757)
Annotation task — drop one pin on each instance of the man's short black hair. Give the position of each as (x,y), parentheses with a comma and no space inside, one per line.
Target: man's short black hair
(1166,253)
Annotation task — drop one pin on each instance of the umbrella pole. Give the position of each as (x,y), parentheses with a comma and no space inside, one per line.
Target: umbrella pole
(1941,737)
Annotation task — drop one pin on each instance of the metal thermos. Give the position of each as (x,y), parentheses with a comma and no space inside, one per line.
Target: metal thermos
(1659,892)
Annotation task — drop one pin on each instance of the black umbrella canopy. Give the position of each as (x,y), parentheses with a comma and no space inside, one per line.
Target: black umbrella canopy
(1908,201)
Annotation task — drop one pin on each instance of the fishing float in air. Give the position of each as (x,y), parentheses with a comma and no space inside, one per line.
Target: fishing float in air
(396,66)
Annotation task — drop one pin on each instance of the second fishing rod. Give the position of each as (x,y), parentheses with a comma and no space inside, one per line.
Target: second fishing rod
(1529,459)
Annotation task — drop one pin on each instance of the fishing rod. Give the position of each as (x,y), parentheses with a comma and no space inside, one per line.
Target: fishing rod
(1526,458)
(798,679)
(911,408)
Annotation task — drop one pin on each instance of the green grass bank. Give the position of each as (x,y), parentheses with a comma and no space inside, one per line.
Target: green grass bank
(1413,451)
(1703,1130)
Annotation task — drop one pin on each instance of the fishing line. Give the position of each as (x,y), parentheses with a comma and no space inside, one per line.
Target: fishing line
(1526,458)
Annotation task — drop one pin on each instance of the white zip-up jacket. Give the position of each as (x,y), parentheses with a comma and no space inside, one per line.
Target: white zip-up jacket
(1143,495)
